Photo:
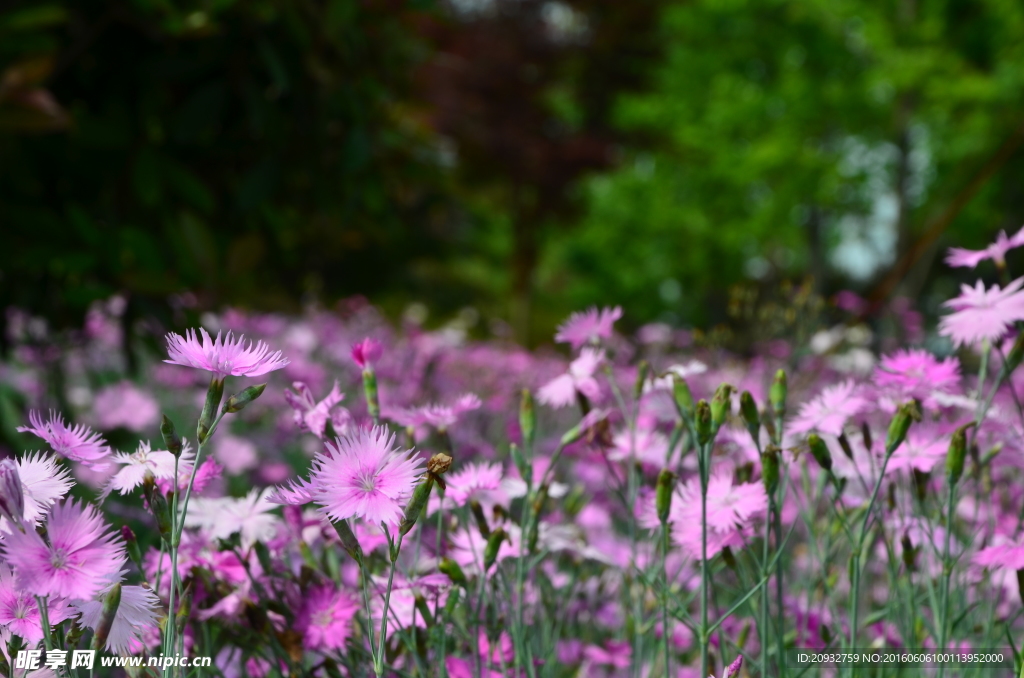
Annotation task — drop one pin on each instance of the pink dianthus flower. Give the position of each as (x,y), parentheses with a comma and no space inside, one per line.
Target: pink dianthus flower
(77,443)
(224,357)
(980,314)
(588,326)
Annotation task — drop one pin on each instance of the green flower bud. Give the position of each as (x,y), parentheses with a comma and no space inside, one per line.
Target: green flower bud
(663,494)
(527,419)
(770,469)
(819,450)
(909,552)
(642,372)
(238,402)
(172,441)
(263,556)
(844,444)
(777,394)
(748,408)
(424,610)
(416,504)
(525,470)
(157,503)
(481,520)
(132,546)
(111,602)
(906,414)
(956,454)
(453,570)
(184,610)
(682,397)
(348,540)
(493,544)
(213,397)
(721,405)
(702,422)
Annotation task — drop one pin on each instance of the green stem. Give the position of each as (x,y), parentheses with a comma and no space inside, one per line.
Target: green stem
(378,664)
(704,577)
(666,624)
(947,572)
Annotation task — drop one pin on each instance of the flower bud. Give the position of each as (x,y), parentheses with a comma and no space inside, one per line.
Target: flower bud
(909,552)
(172,441)
(527,419)
(439,463)
(733,669)
(263,556)
(663,494)
(770,469)
(906,414)
(481,520)
(702,422)
(132,546)
(348,540)
(844,444)
(956,454)
(682,397)
(642,372)
(721,405)
(237,402)
(111,602)
(184,610)
(819,450)
(213,397)
(524,468)
(777,394)
(493,544)
(157,503)
(748,408)
(416,504)
(453,570)
(12,493)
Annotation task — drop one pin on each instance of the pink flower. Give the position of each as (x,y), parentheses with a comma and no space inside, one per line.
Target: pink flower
(224,357)
(19,611)
(127,406)
(367,352)
(43,482)
(82,557)
(473,479)
(921,450)
(79,443)
(561,391)
(365,476)
(1008,556)
(311,415)
(588,326)
(916,373)
(828,412)
(135,466)
(979,314)
(250,516)
(295,493)
(136,613)
(436,416)
(961,257)
(325,620)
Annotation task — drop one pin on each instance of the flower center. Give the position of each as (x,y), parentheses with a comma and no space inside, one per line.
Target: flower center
(369,483)
(59,558)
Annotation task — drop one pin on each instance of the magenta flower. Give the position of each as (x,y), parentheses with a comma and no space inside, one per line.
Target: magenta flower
(830,410)
(312,416)
(325,620)
(588,326)
(78,444)
(561,390)
(366,476)
(367,352)
(1008,556)
(82,557)
(224,357)
(916,373)
(19,611)
(980,314)
(961,257)
(136,613)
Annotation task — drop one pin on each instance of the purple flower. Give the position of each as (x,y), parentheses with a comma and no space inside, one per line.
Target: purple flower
(325,620)
(367,352)
(961,257)
(19,611)
(224,357)
(365,476)
(78,444)
(588,326)
(980,314)
(82,557)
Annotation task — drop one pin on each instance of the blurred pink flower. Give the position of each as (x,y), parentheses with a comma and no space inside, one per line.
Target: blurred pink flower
(436,416)
(980,314)
(367,352)
(235,454)
(224,357)
(960,257)
(923,448)
(588,326)
(325,619)
(81,557)
(916,373)
(561,390)
(830,410)
(19,611)
(472,480)
(79,443)
(311,415)
(125,405)
(1002,556)
(136,613)
(364,475)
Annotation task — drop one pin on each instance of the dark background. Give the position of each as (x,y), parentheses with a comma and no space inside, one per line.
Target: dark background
(502,161)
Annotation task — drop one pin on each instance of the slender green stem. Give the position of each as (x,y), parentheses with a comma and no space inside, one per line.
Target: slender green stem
(764,600)
(704,576)
(378,664)
(947,571)
(666,623)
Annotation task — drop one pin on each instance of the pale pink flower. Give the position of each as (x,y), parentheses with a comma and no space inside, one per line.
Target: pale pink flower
(43,482)
(960,257)
(82,557)
(220,517)
(325,619)
(136,613)
(207,472)
(224,357)
(235,454)
(296,493)
(365,475)
(830,410)
(436,416)
(125,405)
(916,373)
(588,326)
(561,390)
(367,352)
(135,466)
(19,611)
(980,314)
(922,449)
(473,480)
(311,415)
(79,443)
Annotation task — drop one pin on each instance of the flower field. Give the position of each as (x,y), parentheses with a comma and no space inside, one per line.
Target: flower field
(329,495)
